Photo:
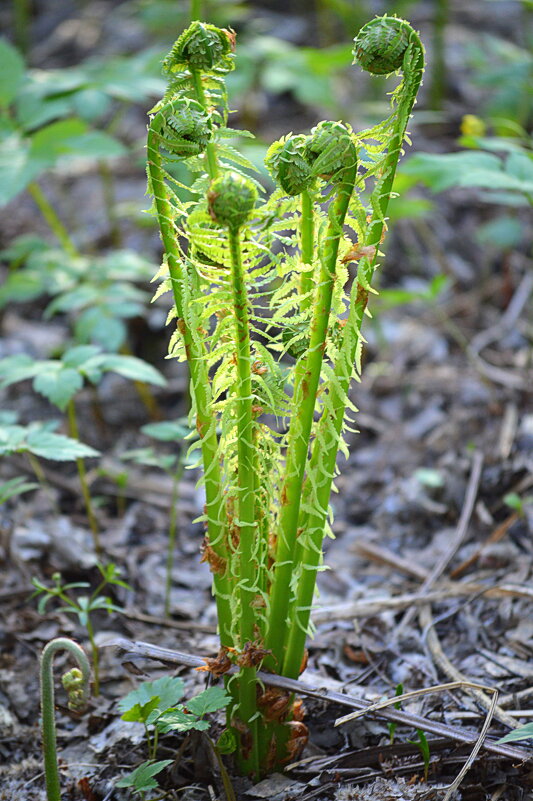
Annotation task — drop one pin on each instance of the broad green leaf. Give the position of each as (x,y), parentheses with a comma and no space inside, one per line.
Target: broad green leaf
(166,431)
(58,447)
(179,720)
(141,779)
(12,71)
(59,385)
(72,138)
(19,368)
(17,170)
(168,689)
(133,368)
(140,713)
(79,355)
(209,700)
(37,439)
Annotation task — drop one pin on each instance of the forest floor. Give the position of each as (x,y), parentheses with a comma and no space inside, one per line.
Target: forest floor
(429,576)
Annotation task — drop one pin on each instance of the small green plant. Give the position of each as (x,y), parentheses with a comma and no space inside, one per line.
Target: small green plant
(82,606)
(524,732)
(76,683)
(270,326)
(421,742)
(174,431)
(156,705)
(60,379)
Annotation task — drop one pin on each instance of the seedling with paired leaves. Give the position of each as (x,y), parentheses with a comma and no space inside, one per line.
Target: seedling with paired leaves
(269,318)
(59,380)
(82,606)
(156,705)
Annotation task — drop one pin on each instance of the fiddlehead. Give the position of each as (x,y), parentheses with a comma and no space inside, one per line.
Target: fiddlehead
(287,163)
(201,47)
(77,685)
(183,127)
(381,44)
(231,199)
(330,150)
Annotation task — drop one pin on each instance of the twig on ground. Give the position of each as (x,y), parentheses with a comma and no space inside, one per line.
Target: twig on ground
(442,661)
(167,656)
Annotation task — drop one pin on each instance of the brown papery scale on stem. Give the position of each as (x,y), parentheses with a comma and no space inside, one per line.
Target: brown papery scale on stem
(218,665)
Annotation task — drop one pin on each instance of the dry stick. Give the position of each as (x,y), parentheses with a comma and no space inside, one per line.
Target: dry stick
(429,690)
(165,655)
(460,533)
(442,661)
(377,606)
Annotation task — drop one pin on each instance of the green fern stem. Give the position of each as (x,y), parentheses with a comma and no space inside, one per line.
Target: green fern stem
(210,150)
(247,563)
(303,407)
(206,424)
(53,789)
(307,248)
(196,10)
(323,459)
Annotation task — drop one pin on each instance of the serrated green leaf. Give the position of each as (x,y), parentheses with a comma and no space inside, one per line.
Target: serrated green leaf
(168,689)
(133,368)
(210,700)
(59,384)
(12,71)
(179,720)
(166,431)
(140,712)
(141,779)
(58,447)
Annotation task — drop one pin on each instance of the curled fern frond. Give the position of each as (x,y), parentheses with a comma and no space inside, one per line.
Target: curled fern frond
(287,163)
(185,127)
(201,47)
(380,45)
(330,149)
(231,199)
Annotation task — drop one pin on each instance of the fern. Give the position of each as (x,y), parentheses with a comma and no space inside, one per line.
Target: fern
(270,325)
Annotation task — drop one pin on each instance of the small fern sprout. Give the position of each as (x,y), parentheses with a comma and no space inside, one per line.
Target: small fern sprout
(330,150)
(231,200)
(184,127)
(76,682)
(287,163)
(381,44)
(201,47)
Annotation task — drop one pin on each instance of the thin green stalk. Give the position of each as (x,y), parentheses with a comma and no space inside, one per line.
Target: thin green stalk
(210,151)
(247,563)
(108,192)
(172,531)
(50,215)
(307,248)
(196,10)
(53,788)
(95,656)
(80,464)
(303,407)
(206,423)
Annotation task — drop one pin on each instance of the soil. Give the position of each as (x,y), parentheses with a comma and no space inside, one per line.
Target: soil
(430,573)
